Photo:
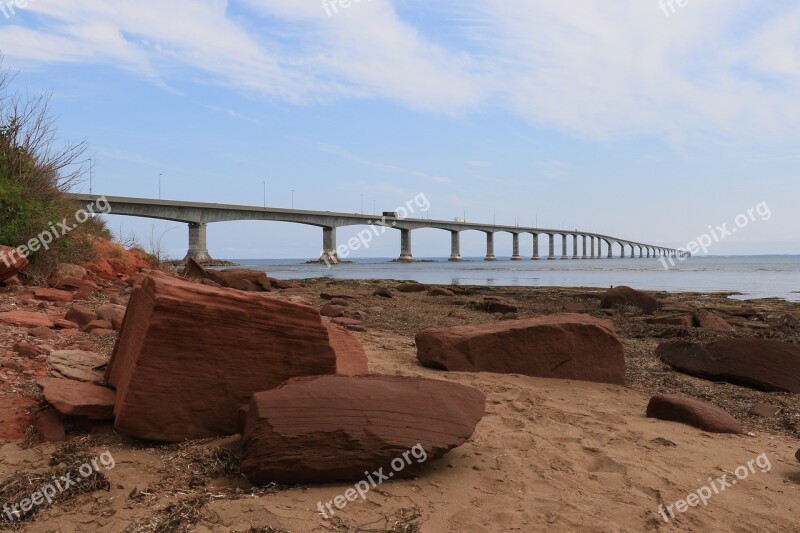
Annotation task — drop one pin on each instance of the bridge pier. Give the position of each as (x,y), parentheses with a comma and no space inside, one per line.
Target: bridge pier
(198,247)
(585,238)
(515,248)
(329,254)
(535,256)
(575,246)
(564,247)
(610,250)
(455,246)
(405,246)
(552,251)
(490,247)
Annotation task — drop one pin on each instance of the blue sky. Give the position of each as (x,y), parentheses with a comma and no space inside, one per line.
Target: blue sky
(621,117)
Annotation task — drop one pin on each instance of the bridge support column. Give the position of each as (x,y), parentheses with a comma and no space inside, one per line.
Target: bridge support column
(198,249)
(564,247)
(405,246)
(641,252)
(575,247)
(490,247)
(585,238)
(622,253)
(515,248)
(535,256)
(594,252)
(552,249)
(329,255)
(599,248)
(455,246)
(610,250)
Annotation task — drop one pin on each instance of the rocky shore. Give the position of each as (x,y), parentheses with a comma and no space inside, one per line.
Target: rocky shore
(232,401)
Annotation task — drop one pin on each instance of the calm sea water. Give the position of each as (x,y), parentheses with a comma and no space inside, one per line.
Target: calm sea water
(753,276)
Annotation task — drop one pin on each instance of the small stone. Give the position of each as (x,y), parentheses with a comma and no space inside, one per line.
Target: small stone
(383,293)
(693,412)
(765,410)
(42,333)
(332,311)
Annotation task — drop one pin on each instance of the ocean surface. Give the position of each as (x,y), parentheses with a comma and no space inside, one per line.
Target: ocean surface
(752,276)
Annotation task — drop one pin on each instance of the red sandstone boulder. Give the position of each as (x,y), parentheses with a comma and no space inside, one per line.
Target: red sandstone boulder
(346,322)
(686,321)
(76,398)
(411,287)
(74,285)
(11,262)
(80,315)
(52,295)
(28,350)
(189,356)
(328,429)
(332,311)
(693,412)
(762,364)
(440,291)
(708,320)
(383,293)
(26,319)
(233,278)
(97,324)
(564,346)
(114,314)
(625,296)
(350,357)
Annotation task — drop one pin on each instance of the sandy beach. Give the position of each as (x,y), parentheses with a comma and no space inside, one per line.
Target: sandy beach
(551,454)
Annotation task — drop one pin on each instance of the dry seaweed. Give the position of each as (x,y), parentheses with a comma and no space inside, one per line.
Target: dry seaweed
(65,464)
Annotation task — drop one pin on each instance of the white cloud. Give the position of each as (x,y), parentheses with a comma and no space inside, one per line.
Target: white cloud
(717,69)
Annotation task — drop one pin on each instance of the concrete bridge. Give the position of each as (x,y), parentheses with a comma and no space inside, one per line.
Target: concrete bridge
(585,245)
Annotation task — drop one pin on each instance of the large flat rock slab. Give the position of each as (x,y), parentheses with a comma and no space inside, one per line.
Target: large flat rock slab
(564,346)
(762,364)
(27,319)
(77,365)
(334,428)
(75,398)
(189,356)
